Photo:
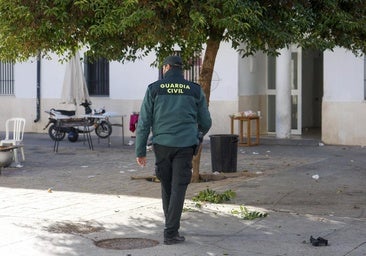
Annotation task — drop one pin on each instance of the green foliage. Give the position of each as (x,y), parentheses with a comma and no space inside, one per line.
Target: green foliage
(189,210)
(129,29)
(212,196)
(245,214)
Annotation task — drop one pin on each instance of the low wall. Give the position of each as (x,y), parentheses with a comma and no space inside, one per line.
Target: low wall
(344,123)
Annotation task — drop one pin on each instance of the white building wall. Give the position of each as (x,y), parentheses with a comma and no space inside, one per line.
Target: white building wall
(253,85)
(25,79)
(343,76)
(252,75)
(128,83)
(344,108)
(224,91)
(225,77)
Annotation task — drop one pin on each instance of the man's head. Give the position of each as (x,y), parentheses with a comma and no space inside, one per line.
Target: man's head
(173,61)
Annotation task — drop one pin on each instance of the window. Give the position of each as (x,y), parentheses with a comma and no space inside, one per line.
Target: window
(97,77)
(193,72)
(6,78)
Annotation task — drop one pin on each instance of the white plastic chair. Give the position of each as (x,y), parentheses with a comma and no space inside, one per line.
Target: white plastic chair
(14,136)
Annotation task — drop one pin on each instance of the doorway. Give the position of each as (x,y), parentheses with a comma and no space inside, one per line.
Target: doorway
(306,91)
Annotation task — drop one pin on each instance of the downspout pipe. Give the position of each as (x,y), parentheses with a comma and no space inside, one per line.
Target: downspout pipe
(38,100)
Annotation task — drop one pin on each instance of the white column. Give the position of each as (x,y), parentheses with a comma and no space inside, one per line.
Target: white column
(283,94)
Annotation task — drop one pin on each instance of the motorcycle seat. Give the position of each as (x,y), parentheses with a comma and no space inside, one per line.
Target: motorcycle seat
(65,112)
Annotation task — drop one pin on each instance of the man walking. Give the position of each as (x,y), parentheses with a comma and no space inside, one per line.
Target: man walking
(176,112)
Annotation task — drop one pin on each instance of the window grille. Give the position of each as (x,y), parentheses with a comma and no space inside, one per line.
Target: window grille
(6,78)
(97,77)
(193,73)
(194,68)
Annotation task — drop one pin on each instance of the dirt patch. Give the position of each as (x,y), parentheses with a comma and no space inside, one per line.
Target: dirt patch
(206,177)
(75,228)
(151,178)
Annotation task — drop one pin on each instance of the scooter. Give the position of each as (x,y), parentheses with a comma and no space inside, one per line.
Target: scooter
(96,120)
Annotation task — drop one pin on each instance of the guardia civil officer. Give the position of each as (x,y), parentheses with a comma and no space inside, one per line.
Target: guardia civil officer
(176,112)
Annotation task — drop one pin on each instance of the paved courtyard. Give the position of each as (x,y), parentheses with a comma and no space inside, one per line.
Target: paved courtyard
(61,203)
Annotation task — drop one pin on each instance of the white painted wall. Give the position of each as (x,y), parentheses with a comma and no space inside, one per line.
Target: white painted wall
(224,91)
(343,76)
(25,79)
(52,77)
(252,75)
(343,108)
(128,83)
(225,78)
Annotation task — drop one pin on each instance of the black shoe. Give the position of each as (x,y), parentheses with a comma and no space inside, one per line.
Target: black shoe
(174,240)
(319,241)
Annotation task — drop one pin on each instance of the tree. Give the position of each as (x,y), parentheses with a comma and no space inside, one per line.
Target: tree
(129,29)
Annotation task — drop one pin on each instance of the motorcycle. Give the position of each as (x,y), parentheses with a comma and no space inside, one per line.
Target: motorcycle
(96,122)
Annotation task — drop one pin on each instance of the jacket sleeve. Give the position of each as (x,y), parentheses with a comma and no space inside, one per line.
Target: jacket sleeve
(203,118)
(144,125)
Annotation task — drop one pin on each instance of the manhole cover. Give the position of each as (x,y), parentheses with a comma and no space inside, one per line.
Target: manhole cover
(126,243)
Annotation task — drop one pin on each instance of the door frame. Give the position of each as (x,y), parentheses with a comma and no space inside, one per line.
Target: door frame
(271,91)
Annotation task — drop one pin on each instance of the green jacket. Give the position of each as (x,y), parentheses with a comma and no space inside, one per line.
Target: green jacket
(175,111)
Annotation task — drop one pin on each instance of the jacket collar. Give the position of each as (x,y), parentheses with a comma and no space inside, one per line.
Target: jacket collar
(174,72)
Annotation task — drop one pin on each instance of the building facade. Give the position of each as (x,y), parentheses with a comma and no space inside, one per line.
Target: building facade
(294,92)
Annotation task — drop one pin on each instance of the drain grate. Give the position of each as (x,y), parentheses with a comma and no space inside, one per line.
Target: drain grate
(126,243)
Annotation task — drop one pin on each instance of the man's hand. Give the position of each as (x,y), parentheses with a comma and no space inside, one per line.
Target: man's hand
(141,161)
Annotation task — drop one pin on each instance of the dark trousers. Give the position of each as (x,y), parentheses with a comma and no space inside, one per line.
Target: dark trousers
(174,170)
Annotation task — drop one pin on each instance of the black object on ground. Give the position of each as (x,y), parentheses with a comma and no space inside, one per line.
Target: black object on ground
(318,241)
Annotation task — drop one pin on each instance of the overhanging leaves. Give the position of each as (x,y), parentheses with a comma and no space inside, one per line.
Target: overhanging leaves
(129,29)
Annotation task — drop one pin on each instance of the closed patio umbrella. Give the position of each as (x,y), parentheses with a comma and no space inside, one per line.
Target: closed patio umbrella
(74,89)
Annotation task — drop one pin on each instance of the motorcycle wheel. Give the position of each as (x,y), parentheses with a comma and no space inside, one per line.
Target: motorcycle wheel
(103,130)
(54,134)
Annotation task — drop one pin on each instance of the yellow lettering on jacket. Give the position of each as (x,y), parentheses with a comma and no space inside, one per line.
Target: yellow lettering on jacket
(175,91)
(175,88)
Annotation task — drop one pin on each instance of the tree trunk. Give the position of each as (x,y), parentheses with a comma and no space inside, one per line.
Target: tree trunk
(205,78)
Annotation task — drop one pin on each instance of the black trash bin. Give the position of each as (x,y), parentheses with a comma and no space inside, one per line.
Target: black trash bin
(224,152)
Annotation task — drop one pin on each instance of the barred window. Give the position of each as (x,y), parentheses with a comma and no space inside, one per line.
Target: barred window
(193,72)
(6,78)
(97,77)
